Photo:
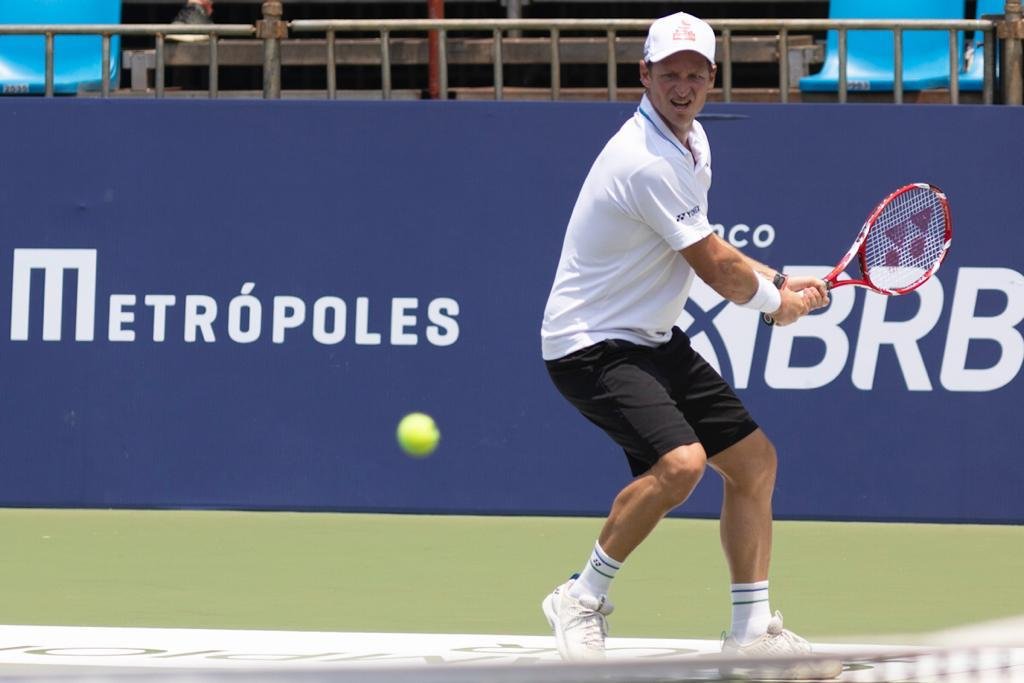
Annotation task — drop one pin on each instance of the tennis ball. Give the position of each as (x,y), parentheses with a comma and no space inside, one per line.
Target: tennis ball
(418,434)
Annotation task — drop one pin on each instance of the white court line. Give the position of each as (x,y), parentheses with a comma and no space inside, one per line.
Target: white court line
(301,650)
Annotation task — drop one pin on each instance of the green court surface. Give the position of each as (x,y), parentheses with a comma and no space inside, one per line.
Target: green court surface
(439,574)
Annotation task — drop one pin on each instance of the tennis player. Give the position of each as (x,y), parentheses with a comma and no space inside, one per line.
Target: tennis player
(637,235)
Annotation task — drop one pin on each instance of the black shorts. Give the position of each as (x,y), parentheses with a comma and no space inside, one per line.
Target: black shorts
(652,400)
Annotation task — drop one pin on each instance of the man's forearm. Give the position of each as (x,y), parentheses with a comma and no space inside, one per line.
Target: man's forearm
(758,267)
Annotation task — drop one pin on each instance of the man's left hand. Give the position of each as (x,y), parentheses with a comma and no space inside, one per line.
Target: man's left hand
(814,290)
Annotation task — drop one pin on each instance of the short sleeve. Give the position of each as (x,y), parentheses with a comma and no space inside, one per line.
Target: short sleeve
(667,200)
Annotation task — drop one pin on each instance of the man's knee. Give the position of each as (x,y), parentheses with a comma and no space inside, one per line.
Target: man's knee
(750,464)
(680,470)
(764,464)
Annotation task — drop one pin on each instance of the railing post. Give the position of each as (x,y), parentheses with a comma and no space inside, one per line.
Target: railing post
(105,65)
(158,74)
(48,76)
(332,67)
(556,64)
(613,68)
(988,89)
(897,71)
(1011,32)
(271,29)
(843,54)
(727,64)
(442,64)
(499,65)
(385,64)
(435,10)
(783,65)
(214,71)
(954,70)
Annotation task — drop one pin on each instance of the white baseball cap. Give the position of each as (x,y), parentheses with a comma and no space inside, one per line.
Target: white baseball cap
(678,32)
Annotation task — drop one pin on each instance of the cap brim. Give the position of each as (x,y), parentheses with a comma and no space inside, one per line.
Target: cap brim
(668,53)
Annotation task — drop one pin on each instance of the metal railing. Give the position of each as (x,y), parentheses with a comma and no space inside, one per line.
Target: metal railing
(107,31)
(726,28)
(272,30)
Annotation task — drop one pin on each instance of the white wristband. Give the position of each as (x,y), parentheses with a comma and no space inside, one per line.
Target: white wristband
(766,299)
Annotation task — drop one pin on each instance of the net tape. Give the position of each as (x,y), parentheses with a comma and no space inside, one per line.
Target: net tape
(947,665)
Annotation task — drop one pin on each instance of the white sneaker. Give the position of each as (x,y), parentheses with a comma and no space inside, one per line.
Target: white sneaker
(779,642)
(579,624)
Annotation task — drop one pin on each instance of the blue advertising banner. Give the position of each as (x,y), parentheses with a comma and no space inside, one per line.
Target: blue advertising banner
(239,317)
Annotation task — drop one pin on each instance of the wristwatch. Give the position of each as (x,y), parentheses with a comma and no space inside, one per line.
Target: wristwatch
(779,281)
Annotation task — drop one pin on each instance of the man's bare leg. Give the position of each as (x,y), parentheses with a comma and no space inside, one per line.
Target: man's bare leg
(748,470)
(576,611)
(647,499)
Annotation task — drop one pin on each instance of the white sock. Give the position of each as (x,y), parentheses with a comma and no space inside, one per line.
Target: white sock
(597,575)
(750,611)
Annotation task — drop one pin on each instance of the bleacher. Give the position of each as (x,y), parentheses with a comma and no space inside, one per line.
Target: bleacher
(81,57)
(762,57)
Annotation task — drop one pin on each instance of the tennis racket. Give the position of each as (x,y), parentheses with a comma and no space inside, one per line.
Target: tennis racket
(901,244)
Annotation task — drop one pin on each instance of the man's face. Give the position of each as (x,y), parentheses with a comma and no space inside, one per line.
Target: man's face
(678,86)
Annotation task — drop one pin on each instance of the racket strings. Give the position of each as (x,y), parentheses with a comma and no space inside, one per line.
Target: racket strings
(906,241)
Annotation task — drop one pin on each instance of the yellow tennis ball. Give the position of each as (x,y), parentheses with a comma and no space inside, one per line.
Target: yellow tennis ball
(418,434)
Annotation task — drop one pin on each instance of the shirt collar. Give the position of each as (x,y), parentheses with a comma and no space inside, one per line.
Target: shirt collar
(646,110)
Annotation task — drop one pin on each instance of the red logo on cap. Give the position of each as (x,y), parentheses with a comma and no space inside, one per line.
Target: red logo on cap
(684,32)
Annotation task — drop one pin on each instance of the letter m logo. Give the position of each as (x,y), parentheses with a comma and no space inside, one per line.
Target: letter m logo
(53,263)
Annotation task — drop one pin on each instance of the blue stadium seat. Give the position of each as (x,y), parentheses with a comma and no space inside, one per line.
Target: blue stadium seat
(77,60)
(870,61)
(974,77)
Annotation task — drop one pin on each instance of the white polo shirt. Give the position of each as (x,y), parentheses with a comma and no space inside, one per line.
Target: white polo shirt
(621,275)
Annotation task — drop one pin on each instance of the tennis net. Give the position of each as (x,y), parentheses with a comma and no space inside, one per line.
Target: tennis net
(987,652)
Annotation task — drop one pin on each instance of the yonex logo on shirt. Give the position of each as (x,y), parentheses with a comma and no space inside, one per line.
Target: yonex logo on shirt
(689,213)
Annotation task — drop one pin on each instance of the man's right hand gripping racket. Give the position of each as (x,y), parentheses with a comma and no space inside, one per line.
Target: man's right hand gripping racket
(901,244)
